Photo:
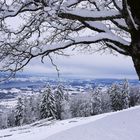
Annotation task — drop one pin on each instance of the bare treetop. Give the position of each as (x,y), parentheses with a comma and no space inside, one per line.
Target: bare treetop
(32,28)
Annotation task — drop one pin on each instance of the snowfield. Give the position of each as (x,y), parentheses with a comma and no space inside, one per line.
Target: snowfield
(121,125)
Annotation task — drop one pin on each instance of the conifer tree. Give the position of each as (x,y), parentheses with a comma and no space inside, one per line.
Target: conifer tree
(19,112)
(96,101)
(125,94)
(59,98)
(47,106)
(116,97)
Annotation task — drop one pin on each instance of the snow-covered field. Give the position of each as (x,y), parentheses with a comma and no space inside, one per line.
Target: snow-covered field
(121,125)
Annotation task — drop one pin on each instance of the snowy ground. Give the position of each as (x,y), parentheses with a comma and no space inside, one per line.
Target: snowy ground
(123,125)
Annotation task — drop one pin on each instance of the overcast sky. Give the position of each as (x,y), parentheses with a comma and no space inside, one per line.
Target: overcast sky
(86,65)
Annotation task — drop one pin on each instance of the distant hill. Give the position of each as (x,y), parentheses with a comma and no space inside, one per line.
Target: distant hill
(39,80)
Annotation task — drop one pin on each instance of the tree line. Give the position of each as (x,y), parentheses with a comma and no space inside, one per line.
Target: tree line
(59,104)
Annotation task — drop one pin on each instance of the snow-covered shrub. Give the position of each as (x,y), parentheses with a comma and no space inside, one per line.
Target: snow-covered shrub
(80,105)
(62,104)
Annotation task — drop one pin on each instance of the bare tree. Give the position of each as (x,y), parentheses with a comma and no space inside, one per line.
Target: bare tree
(49,26)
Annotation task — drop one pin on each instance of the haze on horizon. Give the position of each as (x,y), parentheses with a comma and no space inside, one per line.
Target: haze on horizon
(86,65)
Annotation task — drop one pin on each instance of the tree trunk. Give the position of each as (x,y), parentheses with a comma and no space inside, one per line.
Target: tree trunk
(136,62)
(135,34)
(135,50)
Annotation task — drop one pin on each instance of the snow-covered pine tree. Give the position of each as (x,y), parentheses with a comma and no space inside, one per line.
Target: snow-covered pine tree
(116,97)
(59,98)
(134,95)
(96,101)
(125,94)
(48,105)
(137,96)
(19,112)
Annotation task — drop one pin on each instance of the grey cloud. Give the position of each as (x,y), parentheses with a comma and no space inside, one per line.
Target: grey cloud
(93,65)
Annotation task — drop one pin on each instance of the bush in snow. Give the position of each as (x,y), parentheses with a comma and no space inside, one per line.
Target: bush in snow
(80,105)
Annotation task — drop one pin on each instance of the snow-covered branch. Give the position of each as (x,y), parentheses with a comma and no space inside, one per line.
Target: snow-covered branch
(15,9)
(107,37)
(89,15)
(118,4)
(44,27)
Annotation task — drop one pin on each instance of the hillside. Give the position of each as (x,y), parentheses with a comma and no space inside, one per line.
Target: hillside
(121,125)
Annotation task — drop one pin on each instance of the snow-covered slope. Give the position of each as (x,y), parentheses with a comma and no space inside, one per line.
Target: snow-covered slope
(123,125)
